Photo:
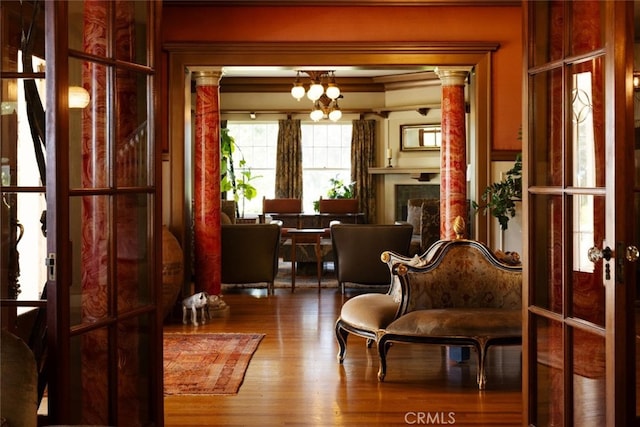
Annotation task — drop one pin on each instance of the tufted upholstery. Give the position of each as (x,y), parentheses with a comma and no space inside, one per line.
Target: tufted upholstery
(464,296)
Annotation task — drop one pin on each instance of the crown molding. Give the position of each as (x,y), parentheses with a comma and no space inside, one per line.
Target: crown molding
(347,84)
(338,3)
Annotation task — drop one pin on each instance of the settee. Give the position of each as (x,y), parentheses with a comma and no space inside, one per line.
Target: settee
(464,296)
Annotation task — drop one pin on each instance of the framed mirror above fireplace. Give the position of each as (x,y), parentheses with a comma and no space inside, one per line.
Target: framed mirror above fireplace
(420,137)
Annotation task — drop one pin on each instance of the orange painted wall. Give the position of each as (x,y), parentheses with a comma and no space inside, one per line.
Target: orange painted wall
(193,24)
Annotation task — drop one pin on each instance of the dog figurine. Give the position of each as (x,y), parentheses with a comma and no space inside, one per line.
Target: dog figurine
(193,303)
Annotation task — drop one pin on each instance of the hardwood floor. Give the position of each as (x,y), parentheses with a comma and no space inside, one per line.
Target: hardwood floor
(294,378)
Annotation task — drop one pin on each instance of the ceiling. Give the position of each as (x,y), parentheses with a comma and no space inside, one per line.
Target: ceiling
(340,71)
(351,78)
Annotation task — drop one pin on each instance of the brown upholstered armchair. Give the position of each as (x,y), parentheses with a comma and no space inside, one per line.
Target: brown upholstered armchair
(250,253)
(357,249)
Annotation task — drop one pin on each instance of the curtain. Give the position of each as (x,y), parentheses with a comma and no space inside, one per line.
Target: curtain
(289,160)
(362,156)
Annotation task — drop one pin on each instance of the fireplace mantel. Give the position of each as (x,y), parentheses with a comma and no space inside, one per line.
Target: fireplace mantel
(421,174)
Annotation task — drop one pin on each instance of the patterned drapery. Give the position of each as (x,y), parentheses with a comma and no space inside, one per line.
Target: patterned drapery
(289,160)
(362,156)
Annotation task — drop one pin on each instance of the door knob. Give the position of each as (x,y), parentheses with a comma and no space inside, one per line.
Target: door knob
(595,254)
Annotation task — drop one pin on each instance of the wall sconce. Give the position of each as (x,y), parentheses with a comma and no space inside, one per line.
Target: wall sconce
(78,97)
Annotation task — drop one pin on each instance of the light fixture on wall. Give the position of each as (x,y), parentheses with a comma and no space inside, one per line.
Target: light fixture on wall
(78,97)
(323,92)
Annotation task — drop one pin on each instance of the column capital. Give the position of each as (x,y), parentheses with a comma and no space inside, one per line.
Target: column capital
(207,78)
(452,76)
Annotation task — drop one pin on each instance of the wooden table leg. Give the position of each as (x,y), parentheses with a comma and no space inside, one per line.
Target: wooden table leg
(293,263)
(318,260)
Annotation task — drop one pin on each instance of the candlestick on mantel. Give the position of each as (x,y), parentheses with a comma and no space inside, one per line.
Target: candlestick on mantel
(389,157)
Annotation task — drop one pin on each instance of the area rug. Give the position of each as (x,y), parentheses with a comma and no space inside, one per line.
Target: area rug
(201,364)
(304,278)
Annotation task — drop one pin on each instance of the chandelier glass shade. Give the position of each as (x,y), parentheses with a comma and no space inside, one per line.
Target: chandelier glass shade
(323,92)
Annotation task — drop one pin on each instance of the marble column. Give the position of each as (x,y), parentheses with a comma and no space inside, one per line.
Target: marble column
(453,163)
(206,183)
(453,152)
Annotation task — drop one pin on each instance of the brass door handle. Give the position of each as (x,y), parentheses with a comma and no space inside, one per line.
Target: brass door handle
(632,253)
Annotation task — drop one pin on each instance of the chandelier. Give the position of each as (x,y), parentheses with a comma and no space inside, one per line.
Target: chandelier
(323,92)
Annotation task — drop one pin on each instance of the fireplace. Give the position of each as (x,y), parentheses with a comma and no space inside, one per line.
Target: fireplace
(415,191)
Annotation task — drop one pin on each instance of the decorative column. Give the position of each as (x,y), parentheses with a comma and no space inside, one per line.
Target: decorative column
(453,152)
(206,183)
(453,163)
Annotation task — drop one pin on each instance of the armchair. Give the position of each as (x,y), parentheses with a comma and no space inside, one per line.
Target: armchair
(250,253)
(357,249)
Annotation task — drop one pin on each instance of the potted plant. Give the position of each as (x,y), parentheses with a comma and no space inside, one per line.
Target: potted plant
(500,197)
(241,186)
(337,190)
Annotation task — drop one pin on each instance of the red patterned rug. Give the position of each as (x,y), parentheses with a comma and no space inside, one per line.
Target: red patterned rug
(207,363)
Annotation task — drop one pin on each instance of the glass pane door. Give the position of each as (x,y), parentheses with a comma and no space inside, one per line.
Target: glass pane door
(105,235)
(575,286)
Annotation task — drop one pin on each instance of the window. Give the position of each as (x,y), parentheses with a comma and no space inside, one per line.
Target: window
(326,154)
(257,144)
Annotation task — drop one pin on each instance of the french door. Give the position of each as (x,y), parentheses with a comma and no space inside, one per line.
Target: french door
(579,349)
(103,204)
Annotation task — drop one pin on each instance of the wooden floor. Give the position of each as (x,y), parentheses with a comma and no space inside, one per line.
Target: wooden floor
(294,378)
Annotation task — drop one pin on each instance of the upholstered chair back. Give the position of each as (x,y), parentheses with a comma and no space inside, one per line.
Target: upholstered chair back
(463,274)
(250,253)
(338,206)
(287,210)
(357,249)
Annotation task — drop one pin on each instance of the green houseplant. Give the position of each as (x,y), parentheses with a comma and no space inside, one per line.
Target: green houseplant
(500,197)
(240,186)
